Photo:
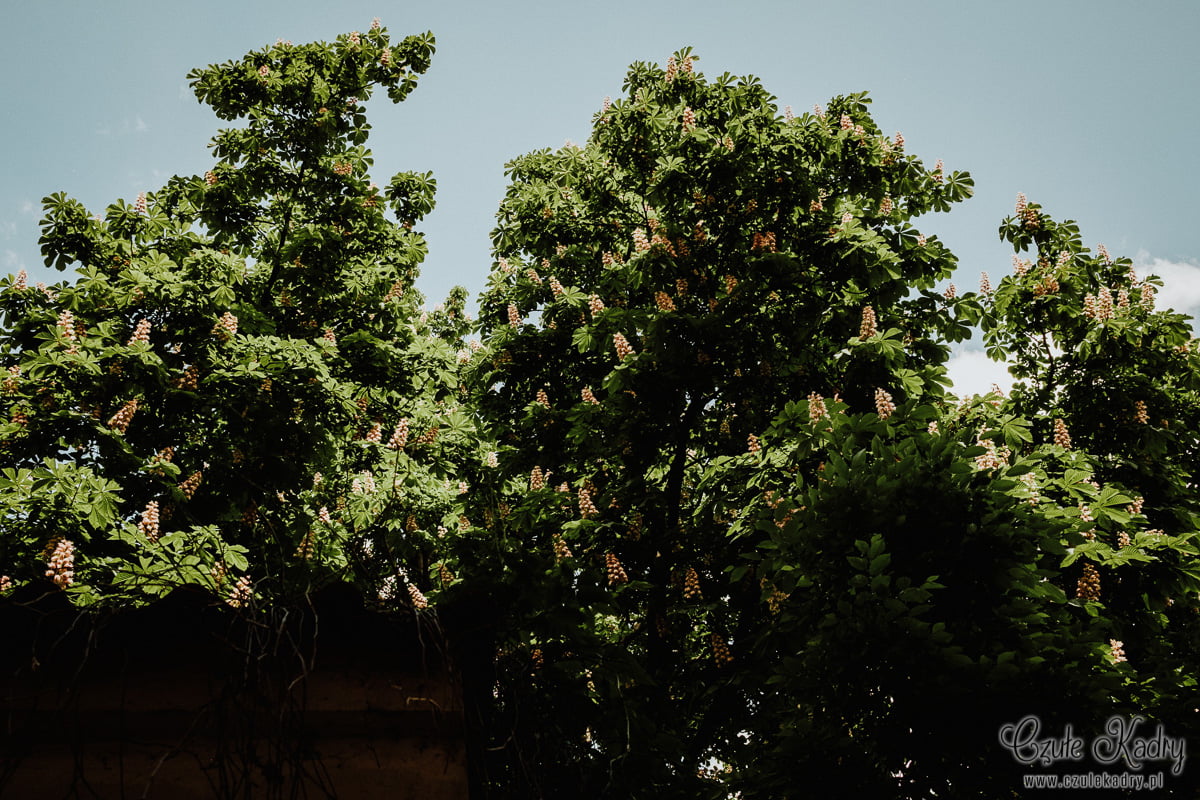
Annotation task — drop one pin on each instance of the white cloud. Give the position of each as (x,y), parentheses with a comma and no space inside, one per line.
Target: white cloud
(27,207)
(140,125)
(1181,282)
(12,261)
(974,373)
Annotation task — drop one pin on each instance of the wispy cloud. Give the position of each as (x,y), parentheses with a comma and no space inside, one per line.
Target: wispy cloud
(127,126)
(1181,282)
(12,261)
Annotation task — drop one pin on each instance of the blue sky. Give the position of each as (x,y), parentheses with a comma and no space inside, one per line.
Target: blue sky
(1089,108)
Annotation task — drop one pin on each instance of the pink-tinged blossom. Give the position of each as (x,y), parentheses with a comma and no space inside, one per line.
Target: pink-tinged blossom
(240,593)
(624,349)
(883,404)
(141,334)
(61,566)
(867,327)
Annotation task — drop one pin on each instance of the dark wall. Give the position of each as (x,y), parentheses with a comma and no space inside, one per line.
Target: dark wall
(188,698)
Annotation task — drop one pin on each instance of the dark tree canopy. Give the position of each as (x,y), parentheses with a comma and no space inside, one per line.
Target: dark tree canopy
(714,519)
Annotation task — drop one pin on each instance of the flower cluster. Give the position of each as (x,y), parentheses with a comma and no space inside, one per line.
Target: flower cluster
(1088,585)
(414,595)
(139,205)
(1147,299)
(775,599)
(588,396)
(304,550)
(61,566)
(399,436)
(6,584)
(883,404)
(120,421)
(514,317)
(329,336)
(363,483)
(1099,307)
(1140,412)
(1030,481)
(561,550)
(543,399)
(67,326)
(148,527)
(951,292)
(141,334)
(624,349)
(226,327)
(763,242)
(994,458)
(664,301)
(691,585)
(985,284)
(672,69)
(375,434)
(816,408)
(640,243)
(385,58)
(191,484)
(1062,437)
(210,178)
(21,283)
(190,379)
(9,386)
(689,118)
(555,287)
(587,508)
(1030,218)
(752,444)
(394,292)
(867,327)
(616,572)
(240,593)
(886,205)
(721,653)
(1116,649)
